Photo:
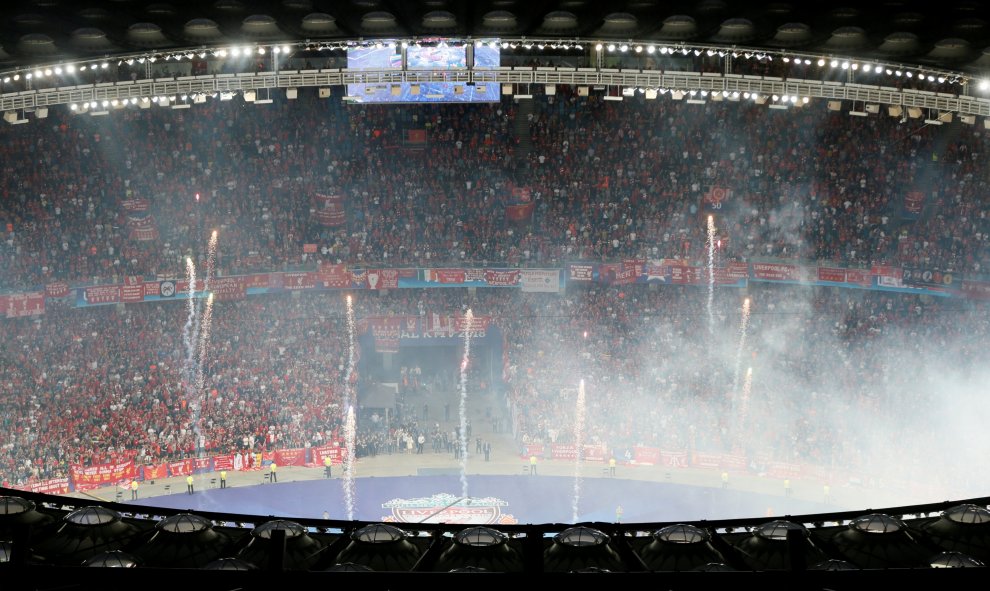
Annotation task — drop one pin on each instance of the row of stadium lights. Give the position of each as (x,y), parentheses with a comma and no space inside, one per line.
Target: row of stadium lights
(797,61)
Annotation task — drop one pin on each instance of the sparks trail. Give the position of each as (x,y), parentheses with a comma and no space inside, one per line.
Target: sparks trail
(579,417)
(462,435)
(711,274)
(743,325)
(350,425)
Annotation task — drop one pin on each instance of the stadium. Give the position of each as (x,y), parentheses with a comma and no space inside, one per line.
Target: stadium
(299,289)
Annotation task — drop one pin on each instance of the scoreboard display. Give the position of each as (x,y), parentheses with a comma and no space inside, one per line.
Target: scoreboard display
(441,56)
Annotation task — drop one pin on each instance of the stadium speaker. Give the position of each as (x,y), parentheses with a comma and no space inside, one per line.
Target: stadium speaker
(458,90)
(914,112)
(396,90)
(986,124)
(324,93)
(873,109)
(414,89)
(835,105)
(677,94)
(651,93)
(10,116)
(550,89)
(291,93)
(582,91)
(894,110)
(507,89)
(968,119)
(945,116)
(41,113)
(249,96)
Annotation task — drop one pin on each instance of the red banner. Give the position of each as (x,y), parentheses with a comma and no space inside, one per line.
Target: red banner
(153,288)
(831,274)
(290,457)
(568,451)
(334,276)
(858,277)
(309,248)
(533,449)
(783,470)
(445,275)
(707,460)
(563,451)
(133,290)
(382,279)
(182,286)
(646,456)
(298,280)
(52,486)
(685,275)
(155,472)
(57,289)
(225,289)
(438,325)
(336,454)
(674,459)
(256,280)
(776,272)
(734,462)
(180,468)
(103,294)
(501,278)
(25,304)
(224,462)
(329,210)
(386,331)
(519,212)
(141,227)
(477,326)
(91,477)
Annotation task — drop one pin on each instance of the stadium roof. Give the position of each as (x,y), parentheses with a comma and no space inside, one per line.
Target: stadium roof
(953,35)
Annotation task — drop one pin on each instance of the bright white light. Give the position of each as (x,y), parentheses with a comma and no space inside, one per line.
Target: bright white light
(834,63)
(598,47)
(73,106)
(650,49)
(805,100)
(845,65)
(983,84)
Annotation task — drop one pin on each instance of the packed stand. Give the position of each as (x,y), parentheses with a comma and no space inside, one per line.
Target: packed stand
(609,180)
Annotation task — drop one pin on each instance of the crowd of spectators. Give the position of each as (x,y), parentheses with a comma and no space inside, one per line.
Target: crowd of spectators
(833,370)
(837,375)
(609,180)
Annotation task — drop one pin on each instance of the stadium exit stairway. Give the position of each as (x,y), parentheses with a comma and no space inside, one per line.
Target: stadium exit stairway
(522,133)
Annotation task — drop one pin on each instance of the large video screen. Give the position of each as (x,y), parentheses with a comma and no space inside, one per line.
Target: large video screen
(438,57)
